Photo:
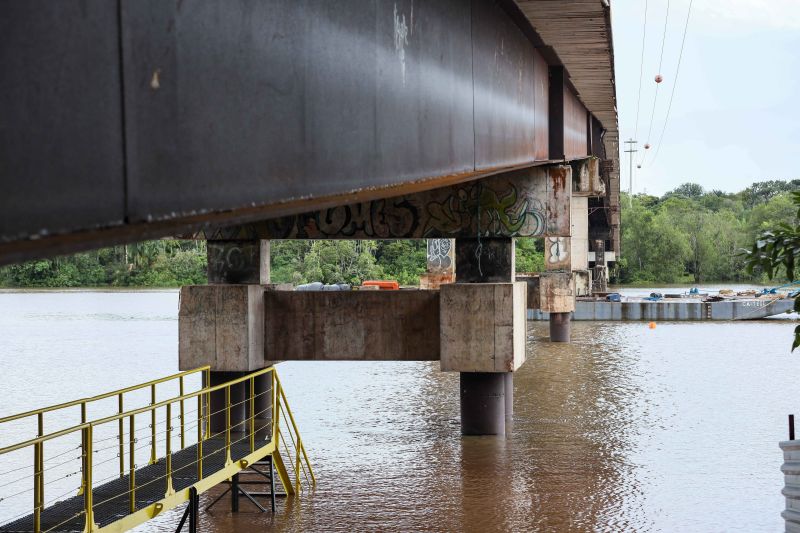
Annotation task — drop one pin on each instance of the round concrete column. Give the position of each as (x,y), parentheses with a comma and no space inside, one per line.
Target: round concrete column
(560,327)
(483,403)
(509,392)
(218,403)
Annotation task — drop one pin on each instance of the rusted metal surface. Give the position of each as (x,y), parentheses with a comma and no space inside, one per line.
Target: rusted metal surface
(541,107)
(524,203)
(152,118)
(505,80)
(555,103)
(575,126)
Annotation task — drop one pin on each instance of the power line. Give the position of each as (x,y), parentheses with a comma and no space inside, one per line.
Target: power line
(675,82)
(641,71)
(655,98)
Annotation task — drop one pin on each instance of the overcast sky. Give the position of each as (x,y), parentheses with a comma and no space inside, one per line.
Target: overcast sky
(735,117)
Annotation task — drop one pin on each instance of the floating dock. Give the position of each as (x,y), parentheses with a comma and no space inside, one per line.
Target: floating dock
(689,308)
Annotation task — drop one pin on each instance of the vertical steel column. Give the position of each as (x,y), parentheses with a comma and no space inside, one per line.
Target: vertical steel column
(483,394)
(132,463)
(121,428)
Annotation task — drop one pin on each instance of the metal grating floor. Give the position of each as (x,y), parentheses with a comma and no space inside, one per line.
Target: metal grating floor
(111,500)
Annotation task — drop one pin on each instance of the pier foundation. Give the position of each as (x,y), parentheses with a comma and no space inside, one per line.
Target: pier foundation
(560,327)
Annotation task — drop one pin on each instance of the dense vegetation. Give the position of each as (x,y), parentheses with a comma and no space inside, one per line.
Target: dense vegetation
(686,235)
(164,263)
(169,263)
(693,235)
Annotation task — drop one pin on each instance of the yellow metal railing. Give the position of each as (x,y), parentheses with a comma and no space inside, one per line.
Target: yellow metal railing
(279,440)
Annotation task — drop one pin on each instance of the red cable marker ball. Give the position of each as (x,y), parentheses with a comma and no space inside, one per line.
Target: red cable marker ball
(659,78)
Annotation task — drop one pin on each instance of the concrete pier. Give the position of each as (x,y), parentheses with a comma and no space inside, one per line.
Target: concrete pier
(485,406)
(238,262)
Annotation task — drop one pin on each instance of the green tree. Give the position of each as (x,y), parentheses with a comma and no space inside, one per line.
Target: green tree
(779,250)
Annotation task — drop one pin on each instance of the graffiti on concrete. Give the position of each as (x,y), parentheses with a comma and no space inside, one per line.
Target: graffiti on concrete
(557,253)
(440,256)
(516,204)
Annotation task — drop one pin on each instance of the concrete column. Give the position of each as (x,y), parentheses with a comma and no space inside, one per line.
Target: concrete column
(238,262)
(509,392)
(485,260)
(218,405)
(600,278)
(484,403)
(560,327)
(441,263)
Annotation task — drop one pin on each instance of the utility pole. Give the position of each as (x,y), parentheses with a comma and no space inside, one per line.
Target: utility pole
(631,151)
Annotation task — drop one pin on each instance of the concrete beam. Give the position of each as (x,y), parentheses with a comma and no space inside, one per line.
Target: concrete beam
(523,203)
(352,325)
(483,326)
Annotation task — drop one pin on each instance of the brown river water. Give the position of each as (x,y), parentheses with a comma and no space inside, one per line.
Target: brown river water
(625,429)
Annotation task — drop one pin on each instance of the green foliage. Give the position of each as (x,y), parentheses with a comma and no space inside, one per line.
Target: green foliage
(778,250)
(529,255)
(150,264)
(332,261)
(690,234)
(402,260)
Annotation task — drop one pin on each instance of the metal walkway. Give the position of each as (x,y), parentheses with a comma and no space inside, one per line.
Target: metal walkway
(139,493)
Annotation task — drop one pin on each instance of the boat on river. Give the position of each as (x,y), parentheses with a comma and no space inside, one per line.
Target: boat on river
(697,306)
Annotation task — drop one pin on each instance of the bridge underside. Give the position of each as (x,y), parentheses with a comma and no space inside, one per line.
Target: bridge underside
(131,120)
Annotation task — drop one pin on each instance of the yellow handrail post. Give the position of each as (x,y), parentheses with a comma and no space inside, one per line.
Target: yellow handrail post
(153,424)
(252,415)
(170,490)
(207,374)
(228,425)
(121,439)
(132,463)
(87,479)
(200,426)
(183,427)
(38,477)
(83,421)
(275,399)
(297,470)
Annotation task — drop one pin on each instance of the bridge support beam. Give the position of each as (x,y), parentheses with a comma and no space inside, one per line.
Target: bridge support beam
(486,397)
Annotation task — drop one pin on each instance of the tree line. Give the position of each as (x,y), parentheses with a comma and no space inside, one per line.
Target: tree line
(687,235)
(693,235)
